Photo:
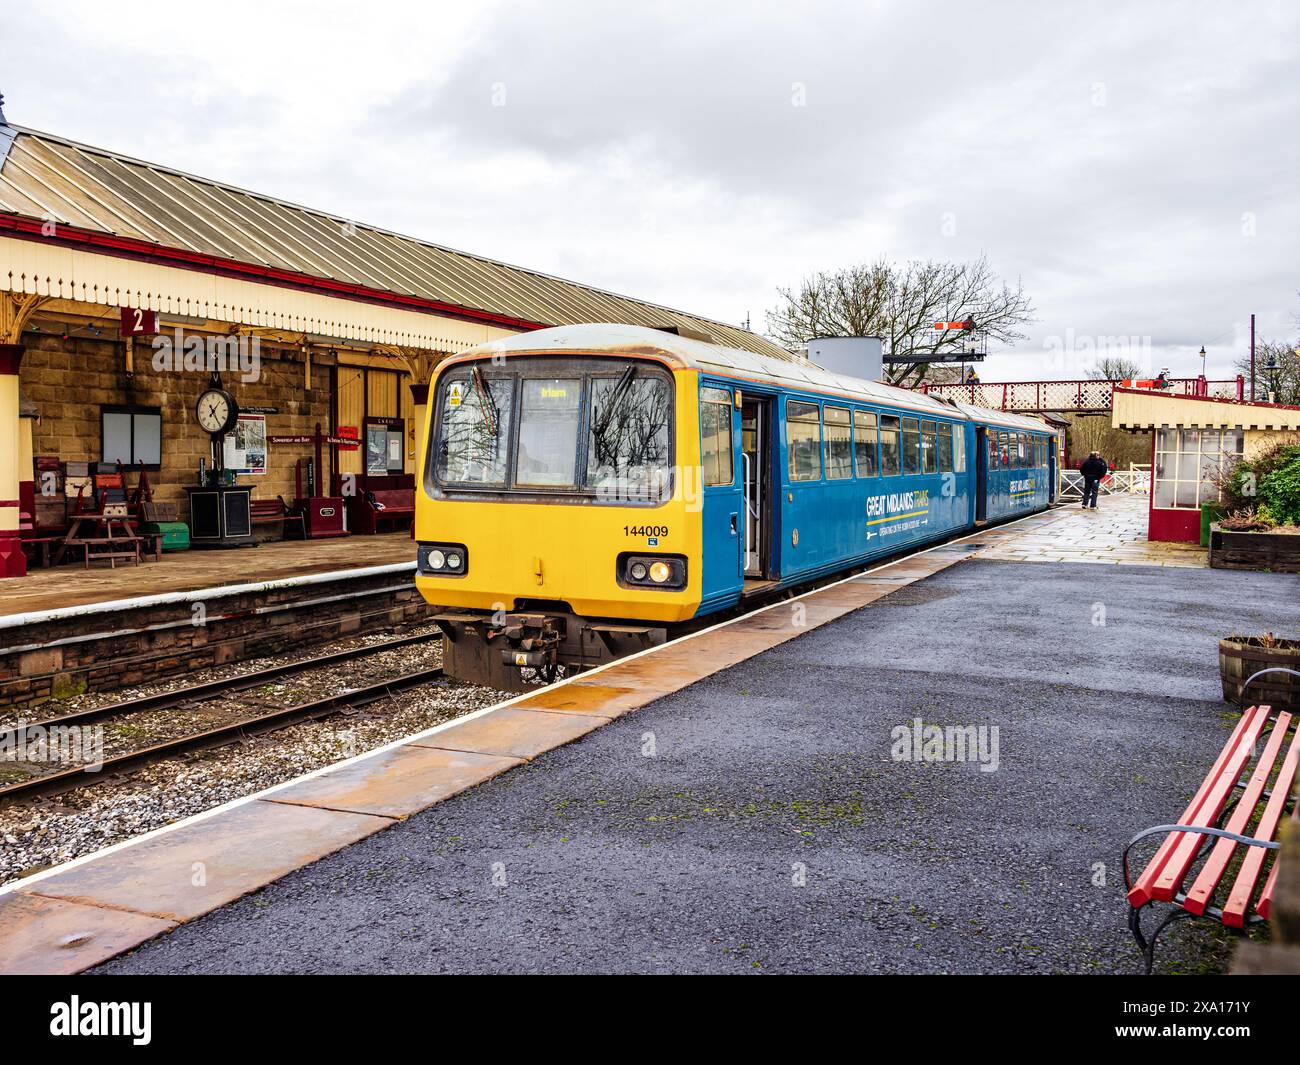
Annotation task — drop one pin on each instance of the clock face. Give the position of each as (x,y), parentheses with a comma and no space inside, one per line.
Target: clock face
(215,411)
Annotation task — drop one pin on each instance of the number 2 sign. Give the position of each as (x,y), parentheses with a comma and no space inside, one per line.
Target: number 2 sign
(137,322)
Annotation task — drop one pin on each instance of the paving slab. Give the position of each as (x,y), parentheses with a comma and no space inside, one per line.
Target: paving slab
(514,732)
(53,937)
(395,783)
(176,876)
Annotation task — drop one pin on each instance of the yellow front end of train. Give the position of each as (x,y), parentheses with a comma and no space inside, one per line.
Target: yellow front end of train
(495,496)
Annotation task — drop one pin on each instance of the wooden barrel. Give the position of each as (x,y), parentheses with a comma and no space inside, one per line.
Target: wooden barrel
(1240,657)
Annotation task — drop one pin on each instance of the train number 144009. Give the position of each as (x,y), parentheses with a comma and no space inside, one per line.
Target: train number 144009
(645,530)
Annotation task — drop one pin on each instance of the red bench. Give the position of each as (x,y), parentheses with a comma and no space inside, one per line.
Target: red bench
(375,508)
(1231,809)
(275,512)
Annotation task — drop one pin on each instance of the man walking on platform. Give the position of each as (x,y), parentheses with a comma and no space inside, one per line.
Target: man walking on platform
(1094,468)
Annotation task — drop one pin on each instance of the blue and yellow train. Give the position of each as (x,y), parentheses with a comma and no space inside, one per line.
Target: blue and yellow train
(588,490)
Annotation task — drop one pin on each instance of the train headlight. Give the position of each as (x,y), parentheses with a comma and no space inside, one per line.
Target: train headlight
(442,560)
(665,572)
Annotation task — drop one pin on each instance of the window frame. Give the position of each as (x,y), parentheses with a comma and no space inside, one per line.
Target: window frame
(874,449)
(915,433)
(896,429)
(847,423)
(730,404)
(134,411)
(789,452)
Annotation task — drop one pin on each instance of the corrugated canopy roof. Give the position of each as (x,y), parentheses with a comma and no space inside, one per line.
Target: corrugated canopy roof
(44,178)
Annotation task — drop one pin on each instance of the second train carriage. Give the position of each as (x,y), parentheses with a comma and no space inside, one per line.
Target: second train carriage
(587,489)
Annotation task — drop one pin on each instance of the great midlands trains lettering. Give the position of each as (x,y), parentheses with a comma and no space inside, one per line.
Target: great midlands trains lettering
(889,514)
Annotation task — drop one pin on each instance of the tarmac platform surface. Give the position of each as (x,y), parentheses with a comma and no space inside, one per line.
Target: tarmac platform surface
(755,821)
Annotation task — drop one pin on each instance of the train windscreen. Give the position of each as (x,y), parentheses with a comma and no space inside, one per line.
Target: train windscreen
(595,428)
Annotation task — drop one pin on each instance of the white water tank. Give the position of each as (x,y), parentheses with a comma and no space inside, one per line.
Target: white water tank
(862,357)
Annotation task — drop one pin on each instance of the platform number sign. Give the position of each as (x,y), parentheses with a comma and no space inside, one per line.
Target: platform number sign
(138,322)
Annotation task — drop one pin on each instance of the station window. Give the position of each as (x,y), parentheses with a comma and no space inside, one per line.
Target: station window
(548,432)
(715,434)
(929,451)
(864,442)
(911,445)
(1187,462)
(890,446)
(839,443)
(958,449)
(803,440)
(944,441)
(131,435)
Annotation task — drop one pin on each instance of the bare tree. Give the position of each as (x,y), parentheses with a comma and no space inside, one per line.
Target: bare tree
(1115,368)
(1277,370)
(901,304)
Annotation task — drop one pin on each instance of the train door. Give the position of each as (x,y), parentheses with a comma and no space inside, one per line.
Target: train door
(756,464)
(723,503)
(981,473)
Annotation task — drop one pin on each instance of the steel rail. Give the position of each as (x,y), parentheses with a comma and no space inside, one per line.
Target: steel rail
(208,689)
(80,775)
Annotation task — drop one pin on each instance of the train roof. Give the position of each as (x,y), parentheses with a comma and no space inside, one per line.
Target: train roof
(686,353)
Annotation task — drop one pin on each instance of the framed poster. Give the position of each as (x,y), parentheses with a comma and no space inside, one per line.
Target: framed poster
(245,445)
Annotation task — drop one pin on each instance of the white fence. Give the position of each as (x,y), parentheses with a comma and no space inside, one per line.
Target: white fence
(1136,480)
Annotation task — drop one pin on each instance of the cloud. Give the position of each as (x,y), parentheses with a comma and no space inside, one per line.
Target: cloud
(1132,165)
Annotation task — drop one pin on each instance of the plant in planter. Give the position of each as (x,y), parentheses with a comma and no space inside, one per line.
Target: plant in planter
(1241,657)
(1262,530)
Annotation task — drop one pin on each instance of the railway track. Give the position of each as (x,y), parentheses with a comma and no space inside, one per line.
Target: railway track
(80,775)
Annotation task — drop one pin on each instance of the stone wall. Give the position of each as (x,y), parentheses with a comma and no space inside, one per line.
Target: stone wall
(101,652)
(68,381)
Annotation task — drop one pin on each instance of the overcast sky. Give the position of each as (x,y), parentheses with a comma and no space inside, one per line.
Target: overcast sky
(1135,166)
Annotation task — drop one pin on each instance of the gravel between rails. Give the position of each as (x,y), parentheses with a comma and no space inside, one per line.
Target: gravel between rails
(45,832)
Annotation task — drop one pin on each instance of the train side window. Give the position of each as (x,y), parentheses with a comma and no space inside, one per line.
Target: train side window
(839,443)
(1022,449)
(715,436)
(864,442)
(1013,451)
(890,448)
(958,448)
(803,440)
(1004,449)
(929,451)
(994,451)
(911,445)
(945,449)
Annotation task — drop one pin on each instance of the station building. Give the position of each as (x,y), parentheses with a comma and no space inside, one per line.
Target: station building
(1192,437)
(110,266)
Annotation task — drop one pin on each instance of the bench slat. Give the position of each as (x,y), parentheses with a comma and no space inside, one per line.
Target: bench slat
(1234,910)
(1142,890)
(1200,893)
(1184,854)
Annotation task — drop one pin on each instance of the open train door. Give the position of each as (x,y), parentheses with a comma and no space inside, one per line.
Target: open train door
(981,473)
(756,458)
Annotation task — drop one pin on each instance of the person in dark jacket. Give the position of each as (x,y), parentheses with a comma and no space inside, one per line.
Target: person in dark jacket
(1094,468)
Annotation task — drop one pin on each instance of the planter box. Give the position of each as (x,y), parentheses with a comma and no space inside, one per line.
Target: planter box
(1240,657)
(1279,552)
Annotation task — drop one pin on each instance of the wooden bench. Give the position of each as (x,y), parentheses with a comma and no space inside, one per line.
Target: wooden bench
(375,508)
(275,512)
(1232,809)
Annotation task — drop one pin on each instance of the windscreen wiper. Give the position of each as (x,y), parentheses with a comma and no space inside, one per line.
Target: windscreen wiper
(604,417)
(491,416)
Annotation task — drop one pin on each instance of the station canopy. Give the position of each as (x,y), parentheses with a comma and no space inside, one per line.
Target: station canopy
(59,194)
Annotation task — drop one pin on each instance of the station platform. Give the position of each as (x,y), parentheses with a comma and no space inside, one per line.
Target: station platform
(61,587)
(67,631)
(752,815)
